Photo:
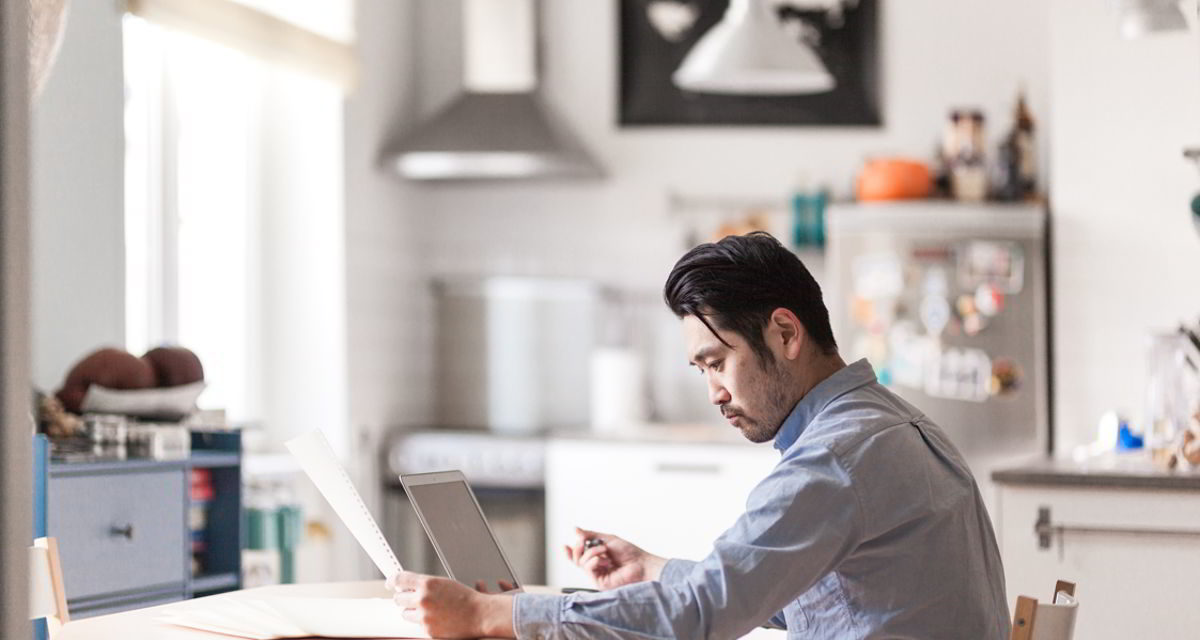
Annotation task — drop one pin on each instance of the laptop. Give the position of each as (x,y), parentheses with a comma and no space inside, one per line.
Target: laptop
(456,526)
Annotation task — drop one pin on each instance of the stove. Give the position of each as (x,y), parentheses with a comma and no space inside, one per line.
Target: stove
(488,460)
(507,474)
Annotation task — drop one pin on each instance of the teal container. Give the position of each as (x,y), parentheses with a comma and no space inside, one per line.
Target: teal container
(808,219)
(262,528)
(290,527)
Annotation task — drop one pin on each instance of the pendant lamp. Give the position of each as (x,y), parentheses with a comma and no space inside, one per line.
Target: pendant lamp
(749,52)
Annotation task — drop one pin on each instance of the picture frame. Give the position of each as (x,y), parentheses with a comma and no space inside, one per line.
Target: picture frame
(656,35)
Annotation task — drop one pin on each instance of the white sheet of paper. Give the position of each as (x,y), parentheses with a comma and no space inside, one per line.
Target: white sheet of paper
(317,459)
(348,617)
(228,618)
(271,618)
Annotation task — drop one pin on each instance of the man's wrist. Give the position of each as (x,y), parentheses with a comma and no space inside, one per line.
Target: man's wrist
(654,566)
(495,616)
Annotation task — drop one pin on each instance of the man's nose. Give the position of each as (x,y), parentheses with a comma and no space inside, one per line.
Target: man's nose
(717,394)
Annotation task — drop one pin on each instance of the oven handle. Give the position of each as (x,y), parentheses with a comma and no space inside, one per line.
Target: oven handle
(1046,531)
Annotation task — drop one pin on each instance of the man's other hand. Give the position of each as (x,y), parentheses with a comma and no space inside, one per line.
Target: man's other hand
(611,561)
(448,609)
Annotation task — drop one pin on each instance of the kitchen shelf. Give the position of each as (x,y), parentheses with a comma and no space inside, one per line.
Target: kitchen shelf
(211,459)
(214,582)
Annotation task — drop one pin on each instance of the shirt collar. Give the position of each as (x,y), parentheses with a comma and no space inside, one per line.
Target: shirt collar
(846,379)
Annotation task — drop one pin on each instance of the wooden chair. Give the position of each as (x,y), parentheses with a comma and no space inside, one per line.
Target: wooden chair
(1054,620)
(47,595)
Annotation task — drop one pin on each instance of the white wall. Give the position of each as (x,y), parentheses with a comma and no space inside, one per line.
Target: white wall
(78,261)
(934,56)
(387,311)
(1127,258)
(388,325)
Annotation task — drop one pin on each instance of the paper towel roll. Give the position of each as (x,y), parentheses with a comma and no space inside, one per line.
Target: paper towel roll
(618,389)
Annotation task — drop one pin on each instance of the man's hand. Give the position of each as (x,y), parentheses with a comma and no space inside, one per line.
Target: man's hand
(611,561)
(448,609)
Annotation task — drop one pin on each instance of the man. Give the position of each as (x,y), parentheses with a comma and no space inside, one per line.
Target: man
(870,526)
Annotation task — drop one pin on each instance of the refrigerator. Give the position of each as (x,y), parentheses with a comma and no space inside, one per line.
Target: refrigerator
(948,301)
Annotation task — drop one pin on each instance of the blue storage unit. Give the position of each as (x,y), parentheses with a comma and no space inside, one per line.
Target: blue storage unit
(41,460)
(123,525)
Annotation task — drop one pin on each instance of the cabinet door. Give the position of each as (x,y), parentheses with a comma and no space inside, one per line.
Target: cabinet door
(670,499)
(1130,583)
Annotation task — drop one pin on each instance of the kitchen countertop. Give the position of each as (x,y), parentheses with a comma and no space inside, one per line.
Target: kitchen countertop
(673,433)
(1120,471)
(665,433)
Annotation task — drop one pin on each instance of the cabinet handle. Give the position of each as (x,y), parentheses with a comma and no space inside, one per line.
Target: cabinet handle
(126,531)
(1046,530)
(683,467)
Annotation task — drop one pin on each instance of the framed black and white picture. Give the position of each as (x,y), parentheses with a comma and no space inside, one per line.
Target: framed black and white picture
(839,36)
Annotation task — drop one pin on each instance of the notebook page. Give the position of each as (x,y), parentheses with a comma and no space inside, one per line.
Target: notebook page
(317,459)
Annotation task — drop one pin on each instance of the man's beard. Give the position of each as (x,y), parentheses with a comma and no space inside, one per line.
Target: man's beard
(777,382)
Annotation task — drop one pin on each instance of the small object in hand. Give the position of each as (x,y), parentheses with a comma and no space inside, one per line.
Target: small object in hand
(592,542)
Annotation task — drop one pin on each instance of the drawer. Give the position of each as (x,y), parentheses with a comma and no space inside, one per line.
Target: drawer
(118,532)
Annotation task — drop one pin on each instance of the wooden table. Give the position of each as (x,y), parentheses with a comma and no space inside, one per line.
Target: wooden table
(140,624)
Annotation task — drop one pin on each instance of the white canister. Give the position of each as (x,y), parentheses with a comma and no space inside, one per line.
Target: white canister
(618,389)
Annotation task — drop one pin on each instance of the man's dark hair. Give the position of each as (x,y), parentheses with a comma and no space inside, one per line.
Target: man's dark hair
(736,283)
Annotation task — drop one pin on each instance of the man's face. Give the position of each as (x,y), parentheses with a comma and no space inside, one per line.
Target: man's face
(753,394)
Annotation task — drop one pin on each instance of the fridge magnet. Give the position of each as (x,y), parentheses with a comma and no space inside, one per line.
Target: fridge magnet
(878,276)
(911,351)
(960,374)
(935,314)
(835,44)
(1006,376)
(1000,265)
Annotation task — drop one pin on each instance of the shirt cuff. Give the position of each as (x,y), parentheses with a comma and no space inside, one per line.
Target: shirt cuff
(675,570)
(537,616)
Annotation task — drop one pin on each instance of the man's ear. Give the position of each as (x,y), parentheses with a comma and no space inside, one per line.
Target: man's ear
(787,333)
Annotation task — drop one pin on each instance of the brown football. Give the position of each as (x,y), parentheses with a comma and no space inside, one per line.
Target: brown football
(174,366)
(111,368)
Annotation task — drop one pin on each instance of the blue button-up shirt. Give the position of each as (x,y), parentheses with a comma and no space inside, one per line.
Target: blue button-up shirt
(870,526)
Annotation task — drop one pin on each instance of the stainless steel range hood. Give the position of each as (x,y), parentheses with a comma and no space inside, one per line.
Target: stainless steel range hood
(499,128)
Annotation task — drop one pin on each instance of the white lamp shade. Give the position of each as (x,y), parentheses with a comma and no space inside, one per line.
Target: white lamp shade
(1145,17)
(748,52)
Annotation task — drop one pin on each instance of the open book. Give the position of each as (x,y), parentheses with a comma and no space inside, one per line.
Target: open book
(280,616)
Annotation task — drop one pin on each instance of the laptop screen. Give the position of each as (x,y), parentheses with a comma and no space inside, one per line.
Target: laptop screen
(457,527)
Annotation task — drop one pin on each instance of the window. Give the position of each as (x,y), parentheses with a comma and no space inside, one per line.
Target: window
(233,221)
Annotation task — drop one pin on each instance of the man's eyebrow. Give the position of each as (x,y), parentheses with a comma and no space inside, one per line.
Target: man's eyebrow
(703,354)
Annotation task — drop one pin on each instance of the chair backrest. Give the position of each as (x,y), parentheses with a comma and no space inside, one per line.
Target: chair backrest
(47,595)
(1055,620)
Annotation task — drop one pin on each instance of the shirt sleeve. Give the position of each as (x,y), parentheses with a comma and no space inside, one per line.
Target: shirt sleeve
(676,570)
(800,522)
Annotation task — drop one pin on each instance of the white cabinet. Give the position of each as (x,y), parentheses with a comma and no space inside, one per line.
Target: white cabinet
(1134,554)
(671,499)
